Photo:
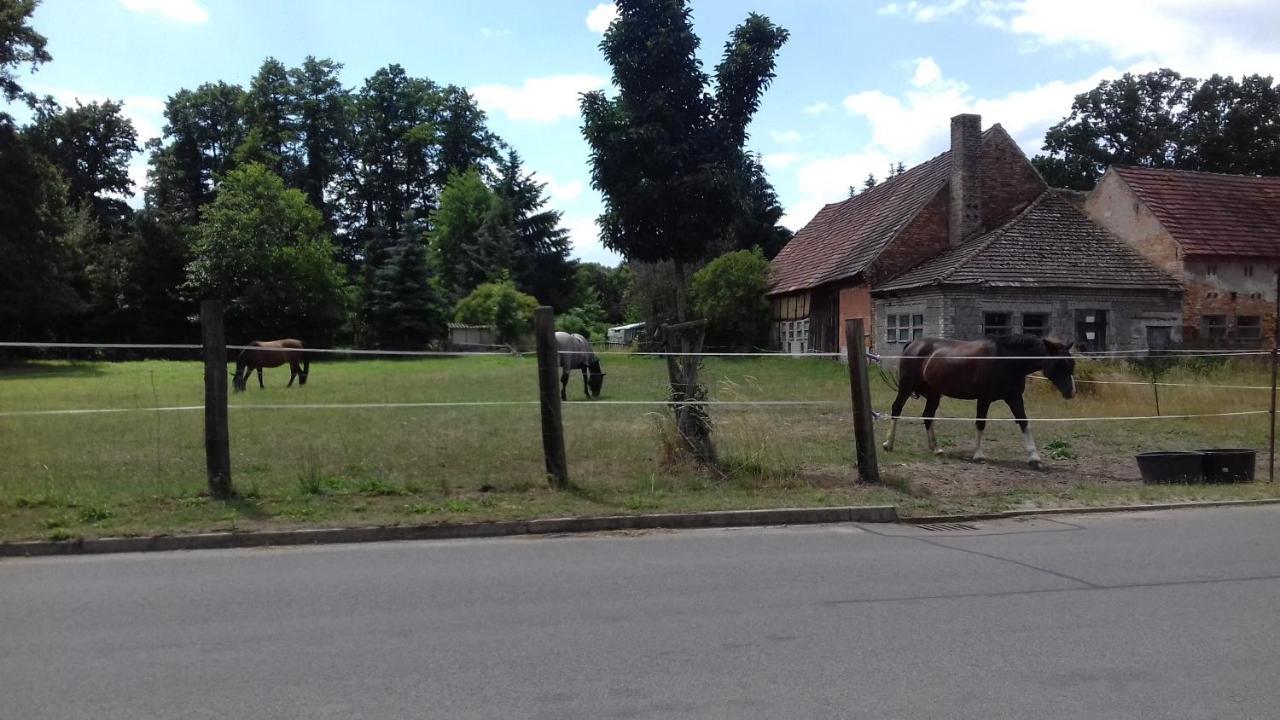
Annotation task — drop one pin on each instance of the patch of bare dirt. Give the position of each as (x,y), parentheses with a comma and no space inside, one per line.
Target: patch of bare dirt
(954,475)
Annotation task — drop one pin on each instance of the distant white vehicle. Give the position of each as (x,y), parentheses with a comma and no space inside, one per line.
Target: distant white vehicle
(625,334)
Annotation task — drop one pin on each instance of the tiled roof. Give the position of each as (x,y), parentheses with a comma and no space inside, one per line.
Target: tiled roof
(1212,214)
(1051,244)
(845,237)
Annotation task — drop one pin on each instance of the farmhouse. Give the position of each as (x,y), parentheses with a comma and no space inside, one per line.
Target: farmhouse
(911,257)
(1048,270)
(1218,234)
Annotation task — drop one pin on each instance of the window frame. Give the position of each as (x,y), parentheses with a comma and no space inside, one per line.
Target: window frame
(902,328)
(1040,330)
(1214,330)
(1006,326)
(1254,327)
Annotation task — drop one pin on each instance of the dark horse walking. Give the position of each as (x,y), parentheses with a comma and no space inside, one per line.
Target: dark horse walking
(270,354)
(975,370)
(575,354)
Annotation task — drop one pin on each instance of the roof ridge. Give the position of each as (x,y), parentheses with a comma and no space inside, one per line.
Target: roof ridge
(1181,171)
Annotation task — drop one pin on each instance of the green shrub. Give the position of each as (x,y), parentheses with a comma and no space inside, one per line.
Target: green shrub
(500,305)
(730,293)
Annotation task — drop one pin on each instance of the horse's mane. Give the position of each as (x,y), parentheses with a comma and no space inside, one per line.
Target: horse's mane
(1019,345)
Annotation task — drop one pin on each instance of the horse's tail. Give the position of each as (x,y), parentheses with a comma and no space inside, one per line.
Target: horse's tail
(911,365)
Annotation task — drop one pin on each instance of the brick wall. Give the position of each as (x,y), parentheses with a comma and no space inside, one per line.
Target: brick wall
(1235,288)
(1232,289)
(855,302)
(1009,182)
(924,237)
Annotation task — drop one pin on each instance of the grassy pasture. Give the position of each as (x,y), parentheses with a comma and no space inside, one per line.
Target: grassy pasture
(143,470)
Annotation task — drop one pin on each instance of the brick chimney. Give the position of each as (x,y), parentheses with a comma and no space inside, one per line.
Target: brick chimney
(966,195)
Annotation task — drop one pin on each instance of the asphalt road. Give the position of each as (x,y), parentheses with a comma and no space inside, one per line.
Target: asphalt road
(1156,615)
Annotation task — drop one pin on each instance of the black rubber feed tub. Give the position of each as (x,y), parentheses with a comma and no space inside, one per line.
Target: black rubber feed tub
(1229,465)
(1160,468)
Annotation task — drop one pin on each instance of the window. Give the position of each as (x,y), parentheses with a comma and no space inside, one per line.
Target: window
(1035,324)
(1211,270)
(1159,337)
(1248,327)
(903,328)
(1248,271)
(1214,326)
(996,324)
(794,336)
(1091,329)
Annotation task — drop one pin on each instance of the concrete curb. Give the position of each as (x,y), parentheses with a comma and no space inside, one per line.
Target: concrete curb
(1086,510)
(217,541)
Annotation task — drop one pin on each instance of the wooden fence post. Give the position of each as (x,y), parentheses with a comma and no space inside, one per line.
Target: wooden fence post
(544,330)
(1275,350)
(864,435)
(217,443)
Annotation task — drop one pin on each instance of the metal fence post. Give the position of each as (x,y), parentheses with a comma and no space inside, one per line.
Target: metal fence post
(217,443)
(860,386)
(544,323)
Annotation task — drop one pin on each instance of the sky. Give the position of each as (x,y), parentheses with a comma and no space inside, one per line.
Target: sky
(860,85)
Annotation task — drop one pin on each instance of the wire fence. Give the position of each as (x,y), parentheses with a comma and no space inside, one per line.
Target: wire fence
(479,415)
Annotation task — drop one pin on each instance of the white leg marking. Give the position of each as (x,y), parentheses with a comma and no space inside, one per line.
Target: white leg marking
(933,441)
(893,431)
(977,450)
(1033,455)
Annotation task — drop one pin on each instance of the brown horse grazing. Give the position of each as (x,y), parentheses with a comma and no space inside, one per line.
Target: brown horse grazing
(270,354)
(973,370)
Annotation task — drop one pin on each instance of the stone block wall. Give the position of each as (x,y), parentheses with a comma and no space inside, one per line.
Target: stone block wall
(959,313)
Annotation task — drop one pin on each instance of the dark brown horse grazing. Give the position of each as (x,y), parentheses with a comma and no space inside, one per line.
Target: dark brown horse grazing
(973,370)
(270,354)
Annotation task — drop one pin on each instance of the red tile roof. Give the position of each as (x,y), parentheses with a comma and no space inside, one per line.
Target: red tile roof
(1212,214)
(845,237)
(1051,244)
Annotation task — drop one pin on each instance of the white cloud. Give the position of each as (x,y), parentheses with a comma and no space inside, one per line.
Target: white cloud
(927,72)
(817,108)
(558,191)
(585,237)
(779,161)
(827,179)
(786,137)
(1191,36)
(491,33)
(915,124)
(600,16)
(184,11)
(923,11)
(543,99)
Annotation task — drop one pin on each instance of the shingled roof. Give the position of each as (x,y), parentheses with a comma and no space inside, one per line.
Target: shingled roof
(1051,244)
(1209,213)
(845,237)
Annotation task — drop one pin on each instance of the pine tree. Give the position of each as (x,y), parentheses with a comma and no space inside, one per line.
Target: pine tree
(401,304)
(540,264)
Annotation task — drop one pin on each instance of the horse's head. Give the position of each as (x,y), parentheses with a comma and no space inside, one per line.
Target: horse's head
(238,380)
(595,377)
(1060,367)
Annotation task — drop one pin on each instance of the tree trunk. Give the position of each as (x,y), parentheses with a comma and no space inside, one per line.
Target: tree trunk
(693,422)
(682,292)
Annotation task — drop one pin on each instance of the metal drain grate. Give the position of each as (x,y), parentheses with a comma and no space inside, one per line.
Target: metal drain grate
(945,527)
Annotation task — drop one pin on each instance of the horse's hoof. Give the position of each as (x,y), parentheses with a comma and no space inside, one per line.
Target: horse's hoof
(887,446)
(938,451)
(1035,464)
(979,460)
